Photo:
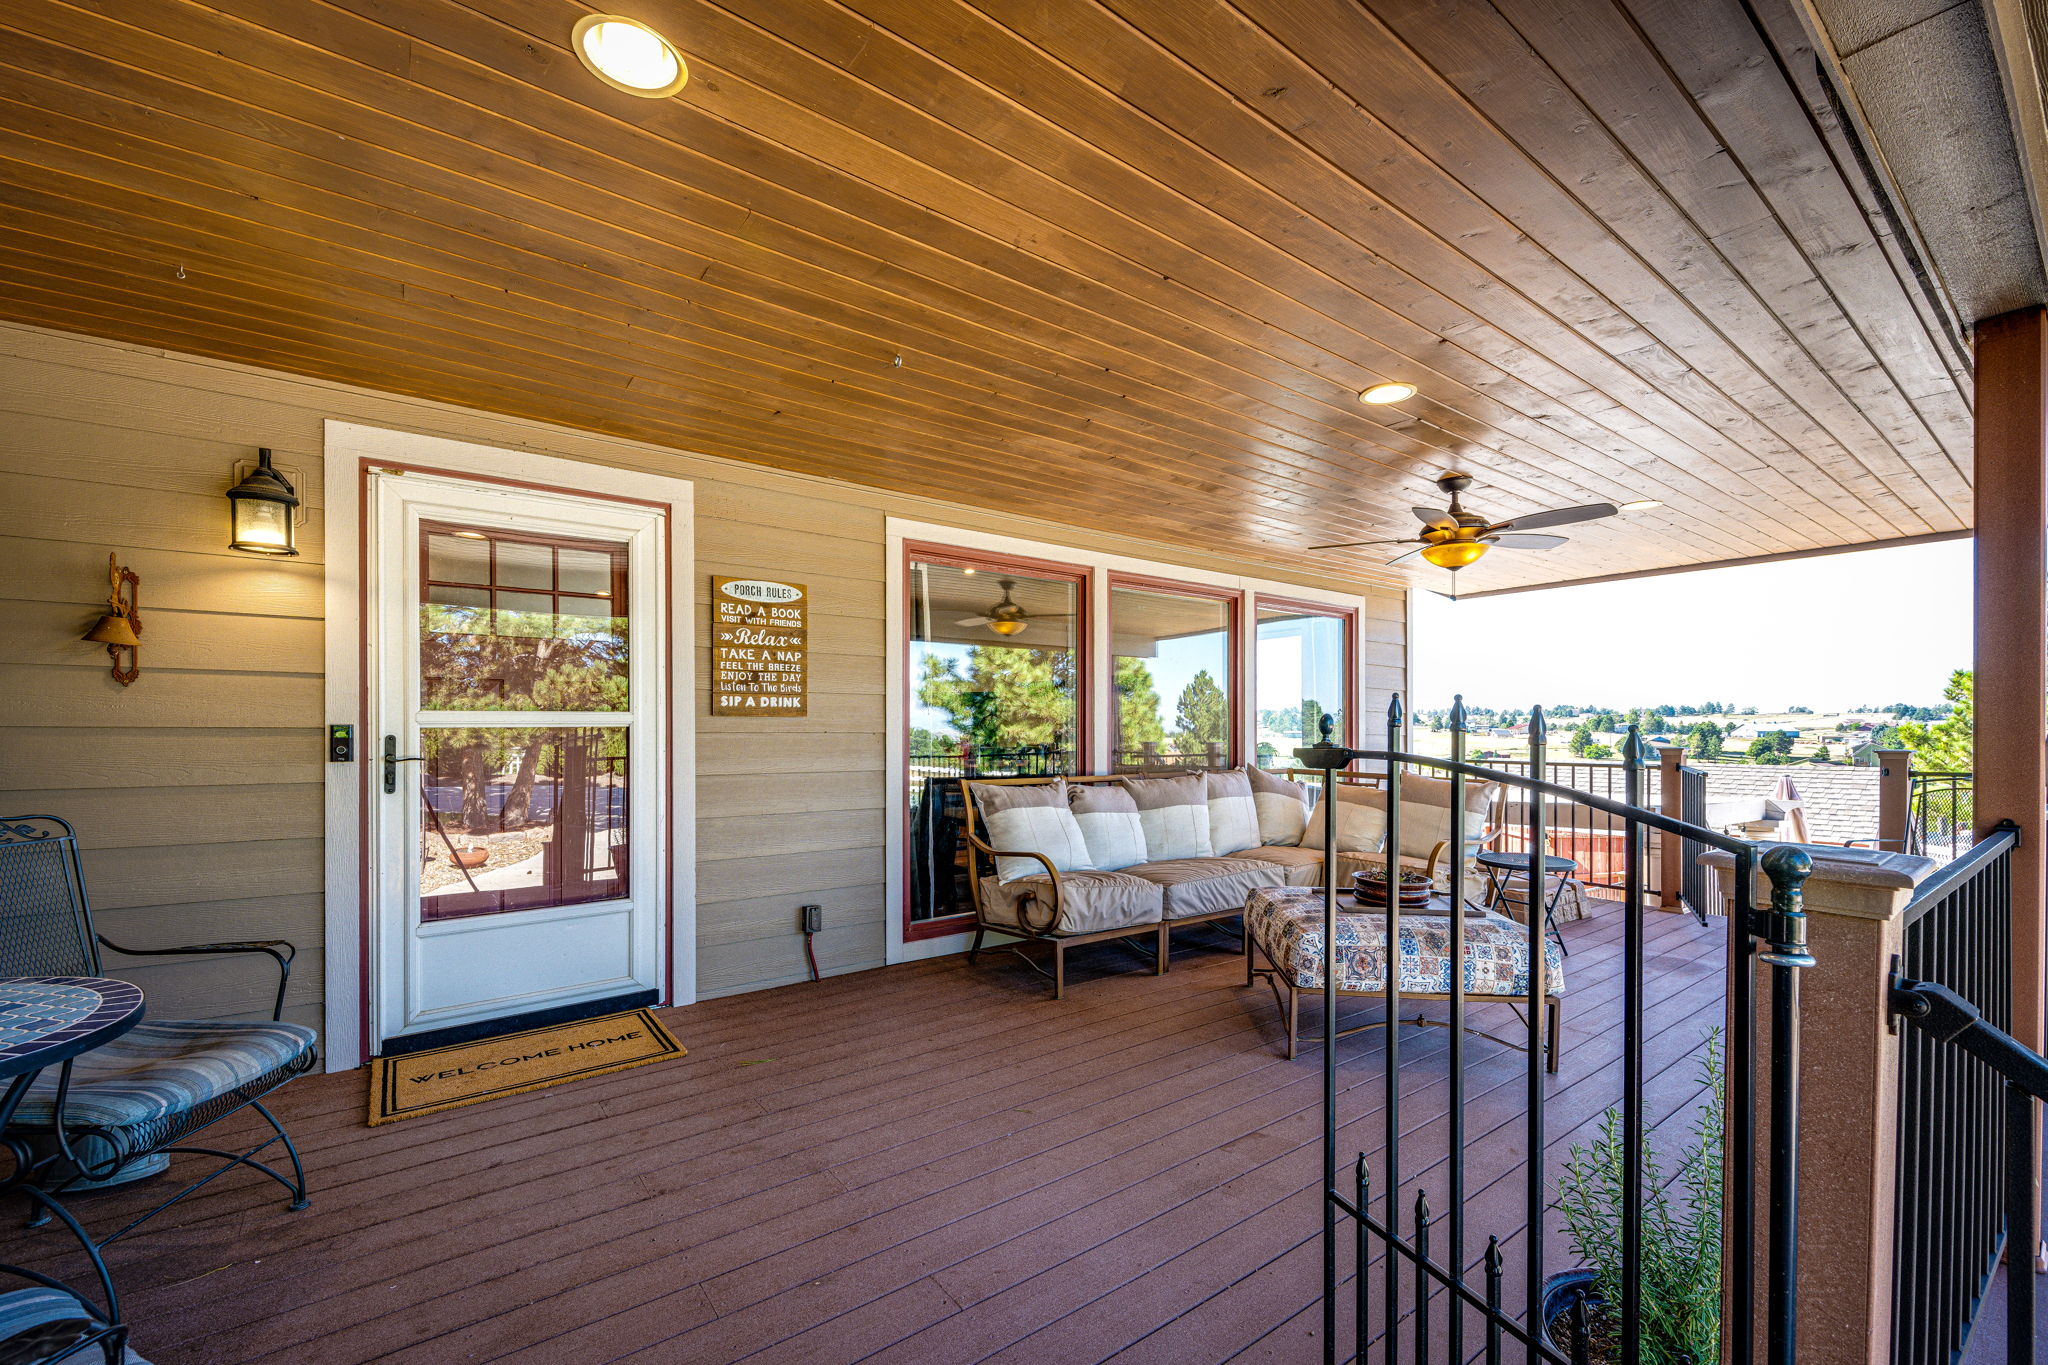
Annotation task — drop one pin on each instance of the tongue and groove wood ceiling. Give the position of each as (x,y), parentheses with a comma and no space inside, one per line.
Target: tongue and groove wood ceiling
(1137,257)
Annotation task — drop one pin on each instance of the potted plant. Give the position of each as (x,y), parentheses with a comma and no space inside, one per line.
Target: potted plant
(1681,1249)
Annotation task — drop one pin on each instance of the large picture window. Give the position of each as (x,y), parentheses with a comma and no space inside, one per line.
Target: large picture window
(1173,680)
(996,689)
(1304,661)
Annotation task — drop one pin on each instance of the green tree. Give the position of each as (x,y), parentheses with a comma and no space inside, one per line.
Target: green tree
(1946,745)
(1006,697)
(1137,705)
(1582,741)
(1704,741)
(1773,746)
(1202,716)
(1821,755)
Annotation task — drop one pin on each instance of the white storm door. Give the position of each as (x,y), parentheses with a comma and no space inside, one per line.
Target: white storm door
(516,659)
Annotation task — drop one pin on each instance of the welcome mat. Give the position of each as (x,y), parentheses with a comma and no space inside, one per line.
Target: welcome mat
(470,1073)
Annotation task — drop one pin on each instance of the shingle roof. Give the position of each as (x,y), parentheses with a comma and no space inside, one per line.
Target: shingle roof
(1840,801)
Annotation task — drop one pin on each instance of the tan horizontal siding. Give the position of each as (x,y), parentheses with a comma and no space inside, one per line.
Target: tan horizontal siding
(197,791)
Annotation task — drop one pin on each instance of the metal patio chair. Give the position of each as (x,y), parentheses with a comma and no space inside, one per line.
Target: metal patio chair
(120,1112)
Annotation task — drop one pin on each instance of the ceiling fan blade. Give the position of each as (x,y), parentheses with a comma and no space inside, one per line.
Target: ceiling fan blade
(975,621)
(1433,517)
(1556,516)
(1517,541)
(1352,544)
(1403,559)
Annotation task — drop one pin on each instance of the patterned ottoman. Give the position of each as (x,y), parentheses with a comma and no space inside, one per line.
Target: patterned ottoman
(1284,926)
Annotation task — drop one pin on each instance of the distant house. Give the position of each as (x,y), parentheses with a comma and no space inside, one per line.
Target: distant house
(1751,730)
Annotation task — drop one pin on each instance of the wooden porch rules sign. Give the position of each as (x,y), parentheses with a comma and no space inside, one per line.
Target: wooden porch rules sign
(760,648)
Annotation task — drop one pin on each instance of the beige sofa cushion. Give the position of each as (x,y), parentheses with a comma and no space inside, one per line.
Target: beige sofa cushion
(1109,822)
(1361,820)
(1233,813)
(1283,806)
(1302,866)
(1030,817)
(1175,813)
(1090,902)
(1204,886)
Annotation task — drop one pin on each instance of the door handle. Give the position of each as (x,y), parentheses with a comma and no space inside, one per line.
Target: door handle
(392,758)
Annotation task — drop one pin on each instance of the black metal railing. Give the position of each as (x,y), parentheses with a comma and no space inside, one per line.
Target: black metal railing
(1941,815)
(1953,1107)
(1434,1281)
(1590,837)
(938,868)
(1699,889)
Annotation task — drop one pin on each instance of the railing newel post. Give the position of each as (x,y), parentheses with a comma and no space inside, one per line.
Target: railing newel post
(1783,929)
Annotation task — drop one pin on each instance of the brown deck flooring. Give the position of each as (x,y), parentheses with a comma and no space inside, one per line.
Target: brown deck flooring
(926,1163)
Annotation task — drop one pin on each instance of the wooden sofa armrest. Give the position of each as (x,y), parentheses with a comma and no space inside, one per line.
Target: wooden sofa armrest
(1023,917)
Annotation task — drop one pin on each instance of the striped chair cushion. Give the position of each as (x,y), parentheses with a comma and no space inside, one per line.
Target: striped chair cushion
(160,1069)
(28,1325)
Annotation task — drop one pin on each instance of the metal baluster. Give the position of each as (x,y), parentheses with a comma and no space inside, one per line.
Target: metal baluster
(1457,1115)
(2022,1234)
(1422,1282)
(1785,954)
(1582,1333)
(1329,1055)
(1537,1204)
(1632,1058)
(1391,992)
(1361,1190)
(1740,1081)
(1494,1274)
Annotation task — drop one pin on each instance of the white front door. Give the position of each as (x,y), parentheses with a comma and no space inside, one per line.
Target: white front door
(515,660)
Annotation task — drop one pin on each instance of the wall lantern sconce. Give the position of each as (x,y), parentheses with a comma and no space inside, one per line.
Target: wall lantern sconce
(121,628)
(266,511)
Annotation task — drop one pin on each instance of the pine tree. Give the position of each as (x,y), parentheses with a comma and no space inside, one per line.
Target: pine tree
(1202,716)
(1946,745)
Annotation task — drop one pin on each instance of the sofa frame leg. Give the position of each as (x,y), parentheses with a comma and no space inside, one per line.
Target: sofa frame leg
(975,951)
(1165,954)
(1059,970)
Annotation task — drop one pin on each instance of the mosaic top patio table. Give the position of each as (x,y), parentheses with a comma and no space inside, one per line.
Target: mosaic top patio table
(1284,927)
(47,1021)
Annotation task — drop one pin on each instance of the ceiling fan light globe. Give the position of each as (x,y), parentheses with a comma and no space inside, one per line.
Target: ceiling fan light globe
(1454,554)
(1007,626)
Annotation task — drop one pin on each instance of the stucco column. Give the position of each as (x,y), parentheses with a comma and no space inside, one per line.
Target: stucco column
(2011,580)
(1849,1097)
(1670,848)
(1894,798)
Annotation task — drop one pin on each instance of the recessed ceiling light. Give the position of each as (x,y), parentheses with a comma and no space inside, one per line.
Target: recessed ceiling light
(628,55)
(1388,393)
(1641,505)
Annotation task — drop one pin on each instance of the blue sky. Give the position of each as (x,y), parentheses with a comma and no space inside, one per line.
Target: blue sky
(1832,632)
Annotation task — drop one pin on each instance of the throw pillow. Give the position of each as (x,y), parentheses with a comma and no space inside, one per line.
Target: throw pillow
(1361,821)
(1233,812)
(1175,814)
(1282,805)
(1031,817)
(1109,822)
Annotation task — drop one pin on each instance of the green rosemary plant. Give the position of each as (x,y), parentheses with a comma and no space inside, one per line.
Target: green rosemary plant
(1681,1295)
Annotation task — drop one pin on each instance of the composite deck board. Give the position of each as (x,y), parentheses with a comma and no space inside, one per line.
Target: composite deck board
(927,1163)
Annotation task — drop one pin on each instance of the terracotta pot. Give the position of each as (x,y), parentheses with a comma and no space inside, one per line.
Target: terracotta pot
(475,856)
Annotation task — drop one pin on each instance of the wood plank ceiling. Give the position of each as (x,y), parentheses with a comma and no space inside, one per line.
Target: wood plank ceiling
(1137,257)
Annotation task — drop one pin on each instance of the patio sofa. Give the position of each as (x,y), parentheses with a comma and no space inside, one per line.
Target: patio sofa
(1061,861)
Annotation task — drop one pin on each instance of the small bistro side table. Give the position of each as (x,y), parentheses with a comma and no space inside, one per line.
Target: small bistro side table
(48,1021)
(1503,868)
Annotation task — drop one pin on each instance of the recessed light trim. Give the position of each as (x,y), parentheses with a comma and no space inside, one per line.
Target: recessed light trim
(1394,392)
(1641,505)
(628,55)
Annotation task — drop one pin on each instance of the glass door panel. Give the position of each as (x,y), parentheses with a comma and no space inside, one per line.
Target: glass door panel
(995,691)
(1171,687)
(522,818)
(1303,664)
(515,816)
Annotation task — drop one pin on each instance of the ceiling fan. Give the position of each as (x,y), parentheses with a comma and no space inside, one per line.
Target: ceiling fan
(1006,617)
(1453,538)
